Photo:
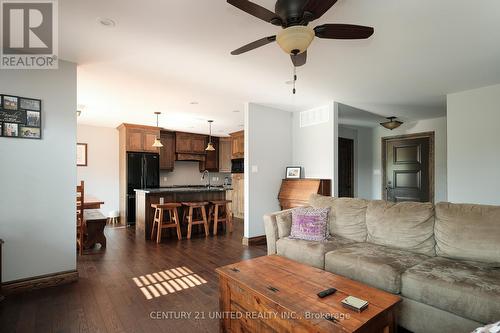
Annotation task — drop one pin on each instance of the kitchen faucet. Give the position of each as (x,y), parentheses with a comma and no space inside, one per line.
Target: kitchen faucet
(206,173)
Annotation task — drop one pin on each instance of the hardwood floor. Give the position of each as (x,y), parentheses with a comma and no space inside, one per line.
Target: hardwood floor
(107,298)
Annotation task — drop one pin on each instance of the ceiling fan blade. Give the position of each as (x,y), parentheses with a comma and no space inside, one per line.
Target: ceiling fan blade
(343,31)
(318,7)
(256,10)
(254,45)
(299,59)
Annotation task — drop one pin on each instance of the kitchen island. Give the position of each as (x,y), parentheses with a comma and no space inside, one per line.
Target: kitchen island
(146,197)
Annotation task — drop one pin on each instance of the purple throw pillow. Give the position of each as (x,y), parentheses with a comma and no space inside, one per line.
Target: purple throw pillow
(310,224)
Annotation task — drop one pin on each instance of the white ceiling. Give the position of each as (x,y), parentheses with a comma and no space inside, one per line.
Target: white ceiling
(162,55)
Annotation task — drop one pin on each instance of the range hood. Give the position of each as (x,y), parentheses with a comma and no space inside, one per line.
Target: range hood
(190,157)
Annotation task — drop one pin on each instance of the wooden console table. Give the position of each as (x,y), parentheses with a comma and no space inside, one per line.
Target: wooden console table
(296,192)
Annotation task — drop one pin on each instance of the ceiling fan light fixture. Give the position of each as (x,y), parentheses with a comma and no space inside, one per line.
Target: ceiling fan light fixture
(392,124)
(295,39)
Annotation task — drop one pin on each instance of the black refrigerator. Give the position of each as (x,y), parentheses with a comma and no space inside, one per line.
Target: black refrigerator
(143,171)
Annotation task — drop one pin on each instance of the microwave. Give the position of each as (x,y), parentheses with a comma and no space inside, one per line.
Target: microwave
(238,165)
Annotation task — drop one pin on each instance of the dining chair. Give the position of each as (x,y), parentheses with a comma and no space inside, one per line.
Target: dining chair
(80,223)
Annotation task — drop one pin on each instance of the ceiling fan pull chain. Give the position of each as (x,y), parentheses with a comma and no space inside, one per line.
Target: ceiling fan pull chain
(294,79)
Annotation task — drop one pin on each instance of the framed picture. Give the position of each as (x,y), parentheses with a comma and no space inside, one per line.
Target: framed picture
(29,132)
(81,154)
(20,117)
(10,129)
(30,104)
(33,118)
(293,172)
(10,102)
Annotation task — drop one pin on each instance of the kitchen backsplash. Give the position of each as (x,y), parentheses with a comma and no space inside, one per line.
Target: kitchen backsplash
(188,173)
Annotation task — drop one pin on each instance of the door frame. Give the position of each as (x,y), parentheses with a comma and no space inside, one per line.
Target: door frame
(352,171)
(424,135)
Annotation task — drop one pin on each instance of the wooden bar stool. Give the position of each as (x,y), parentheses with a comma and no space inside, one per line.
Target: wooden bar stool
(191,219)
(226,216)
(160,223)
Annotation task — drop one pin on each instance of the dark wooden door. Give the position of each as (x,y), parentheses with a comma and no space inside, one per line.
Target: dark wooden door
(407,172)
(346,168)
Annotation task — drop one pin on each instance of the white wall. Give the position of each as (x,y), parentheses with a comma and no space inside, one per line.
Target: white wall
(314,147)
(438,125)
(363,158)
(268,151)
(38,177)
(474,146)
(101,176)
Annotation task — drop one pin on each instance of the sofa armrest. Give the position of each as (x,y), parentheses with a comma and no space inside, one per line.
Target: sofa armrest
(271,227)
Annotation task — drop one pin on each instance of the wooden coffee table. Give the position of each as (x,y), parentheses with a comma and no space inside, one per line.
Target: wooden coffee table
(275,294)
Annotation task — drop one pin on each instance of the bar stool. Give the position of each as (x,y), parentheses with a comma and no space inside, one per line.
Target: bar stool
(225,217)
(161,224)
(190,218)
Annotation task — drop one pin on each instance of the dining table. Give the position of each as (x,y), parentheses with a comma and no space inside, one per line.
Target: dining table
(91,202)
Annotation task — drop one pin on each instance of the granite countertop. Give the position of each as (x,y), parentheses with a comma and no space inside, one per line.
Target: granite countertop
(185,189)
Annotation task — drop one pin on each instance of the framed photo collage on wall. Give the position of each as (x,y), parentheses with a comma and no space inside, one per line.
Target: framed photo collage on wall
(20,117)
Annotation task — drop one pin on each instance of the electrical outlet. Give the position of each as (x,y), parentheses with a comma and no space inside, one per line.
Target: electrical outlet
(255,168)
(165,179)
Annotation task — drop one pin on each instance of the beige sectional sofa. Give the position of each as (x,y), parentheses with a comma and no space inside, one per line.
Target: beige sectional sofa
(443,260)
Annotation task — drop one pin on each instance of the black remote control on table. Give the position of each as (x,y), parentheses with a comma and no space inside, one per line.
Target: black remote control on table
(327,292)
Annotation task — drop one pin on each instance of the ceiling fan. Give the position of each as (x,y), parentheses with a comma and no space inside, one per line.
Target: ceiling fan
(294,17)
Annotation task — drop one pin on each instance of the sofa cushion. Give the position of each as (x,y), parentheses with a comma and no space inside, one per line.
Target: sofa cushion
(466,288)
(284,223)
(404,225)
(310,224)
(347,216)
(376,265)
(468,232)
(309,252)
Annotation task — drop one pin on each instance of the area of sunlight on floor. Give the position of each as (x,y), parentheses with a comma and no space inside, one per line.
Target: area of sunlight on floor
(167,282)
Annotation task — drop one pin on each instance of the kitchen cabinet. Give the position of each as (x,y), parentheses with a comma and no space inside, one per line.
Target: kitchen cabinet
(211,162)
(237,195)
(225,155)
(189,143)
(167,152)
(139,138)
(238,144)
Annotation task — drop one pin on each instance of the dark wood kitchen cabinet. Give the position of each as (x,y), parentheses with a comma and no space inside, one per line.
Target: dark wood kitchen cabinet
(238,144)
(189,143)
(211,162)
(139,138)
(167,152)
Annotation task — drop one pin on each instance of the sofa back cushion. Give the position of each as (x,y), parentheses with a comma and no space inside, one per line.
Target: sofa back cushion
(347,216)
(468,232)
(404,225)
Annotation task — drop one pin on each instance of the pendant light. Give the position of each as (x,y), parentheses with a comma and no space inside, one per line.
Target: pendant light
(157,143)
(392,124)
(210,146)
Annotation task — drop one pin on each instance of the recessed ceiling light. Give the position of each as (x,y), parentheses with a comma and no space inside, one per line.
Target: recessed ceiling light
(236,111)
(106,22)
(194,103)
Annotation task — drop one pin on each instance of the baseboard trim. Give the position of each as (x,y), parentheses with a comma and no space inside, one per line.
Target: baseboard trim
(39,282)
(252,241)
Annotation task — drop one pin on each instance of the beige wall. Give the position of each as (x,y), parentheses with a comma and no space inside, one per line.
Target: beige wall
(101,173)
(37,178)
(474,146)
